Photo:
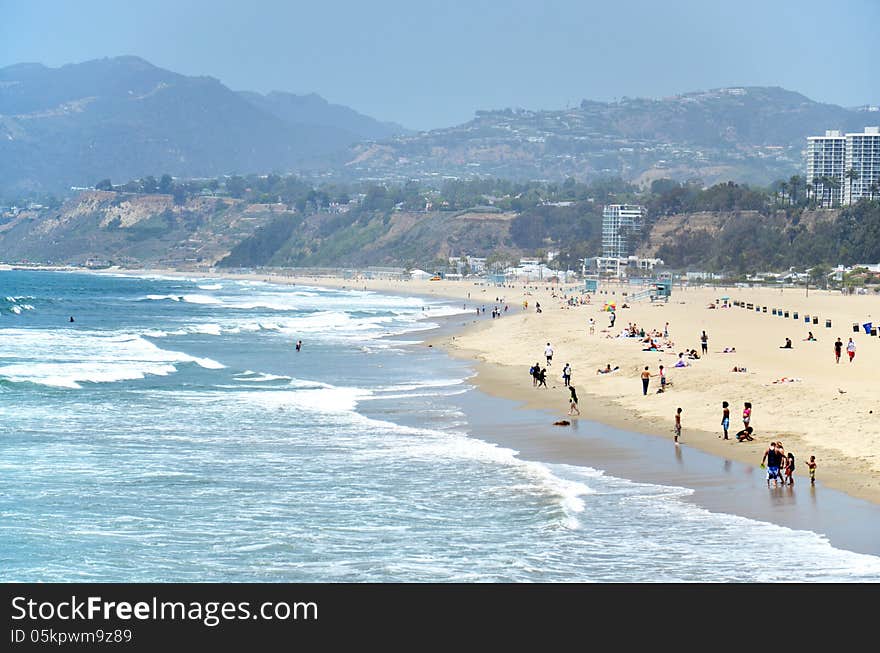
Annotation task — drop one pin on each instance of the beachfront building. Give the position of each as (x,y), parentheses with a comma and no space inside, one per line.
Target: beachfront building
(621,225)
(863,158)
(826,156)
(831,157)
(624,266)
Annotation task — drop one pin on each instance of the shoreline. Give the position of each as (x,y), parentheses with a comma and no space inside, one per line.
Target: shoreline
(854,475)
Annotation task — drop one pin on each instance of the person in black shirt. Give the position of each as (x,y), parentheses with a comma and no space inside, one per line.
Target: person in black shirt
(573,402)
(773,459)
(838,348)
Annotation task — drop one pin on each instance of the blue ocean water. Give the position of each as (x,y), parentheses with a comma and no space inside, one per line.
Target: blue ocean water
(172,433)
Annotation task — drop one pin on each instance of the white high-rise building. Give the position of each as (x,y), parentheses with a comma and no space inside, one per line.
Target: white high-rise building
(620,223)
(826,157)
(863,157)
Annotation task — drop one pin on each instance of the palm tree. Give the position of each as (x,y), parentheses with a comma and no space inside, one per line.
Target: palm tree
(874,187)
(783,186)
(794,183)
(852,175)
(833,185)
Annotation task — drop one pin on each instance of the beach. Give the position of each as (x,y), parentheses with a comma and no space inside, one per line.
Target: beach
(800,396)
(189,386)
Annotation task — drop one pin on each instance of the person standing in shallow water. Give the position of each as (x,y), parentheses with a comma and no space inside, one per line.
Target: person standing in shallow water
(677,424)
(299,345)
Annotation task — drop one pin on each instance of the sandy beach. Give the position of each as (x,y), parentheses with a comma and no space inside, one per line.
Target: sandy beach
(800,396)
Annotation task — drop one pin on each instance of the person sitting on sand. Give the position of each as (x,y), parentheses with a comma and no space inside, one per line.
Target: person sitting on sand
(736,368)
(787,344)
(810,337)
(745,435)
(608,369)
(693,355)
(729,350)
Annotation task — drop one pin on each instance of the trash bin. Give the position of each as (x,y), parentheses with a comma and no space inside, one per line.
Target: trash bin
(873,331)
(807,319)
(827,323)
(763,309)
(867,327)
(855,327)
(773,310)
(816,321)
(794,316)
(786,314)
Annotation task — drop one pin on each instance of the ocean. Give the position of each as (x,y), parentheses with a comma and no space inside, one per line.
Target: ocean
(172,432)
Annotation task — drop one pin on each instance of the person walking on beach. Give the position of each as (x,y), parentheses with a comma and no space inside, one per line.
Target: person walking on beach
(646,378)
(542,377)
(613,317)
(548,352)
(838,347)
(573,402)
(851,350)
(773,459)
(535,371)
(747,414)
(566,374)
(704,343)
(811,466)
(592,326)
(725,418)
(666,330)
(677,425)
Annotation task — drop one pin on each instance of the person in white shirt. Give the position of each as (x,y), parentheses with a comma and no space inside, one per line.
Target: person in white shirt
(851,350)
(548,352)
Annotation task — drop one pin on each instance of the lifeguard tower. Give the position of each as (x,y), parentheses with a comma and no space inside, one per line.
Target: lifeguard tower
(655,292)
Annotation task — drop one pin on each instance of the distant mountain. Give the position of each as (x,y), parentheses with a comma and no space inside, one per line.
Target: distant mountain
(124,118)
(750,134)
(312,109)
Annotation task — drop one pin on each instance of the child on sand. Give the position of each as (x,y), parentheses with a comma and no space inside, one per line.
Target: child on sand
(789,469)
(811,466)
(677,424)
(747,414)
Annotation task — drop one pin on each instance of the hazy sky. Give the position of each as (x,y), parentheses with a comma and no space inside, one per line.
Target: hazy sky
(430,64)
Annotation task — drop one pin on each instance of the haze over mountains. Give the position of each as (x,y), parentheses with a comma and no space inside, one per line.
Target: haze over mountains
(123,118)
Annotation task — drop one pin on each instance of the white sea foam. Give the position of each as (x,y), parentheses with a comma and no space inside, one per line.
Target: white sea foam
(212,286)
(67,358)
(249,376)
(208,329)
(188,298)
(15,309)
